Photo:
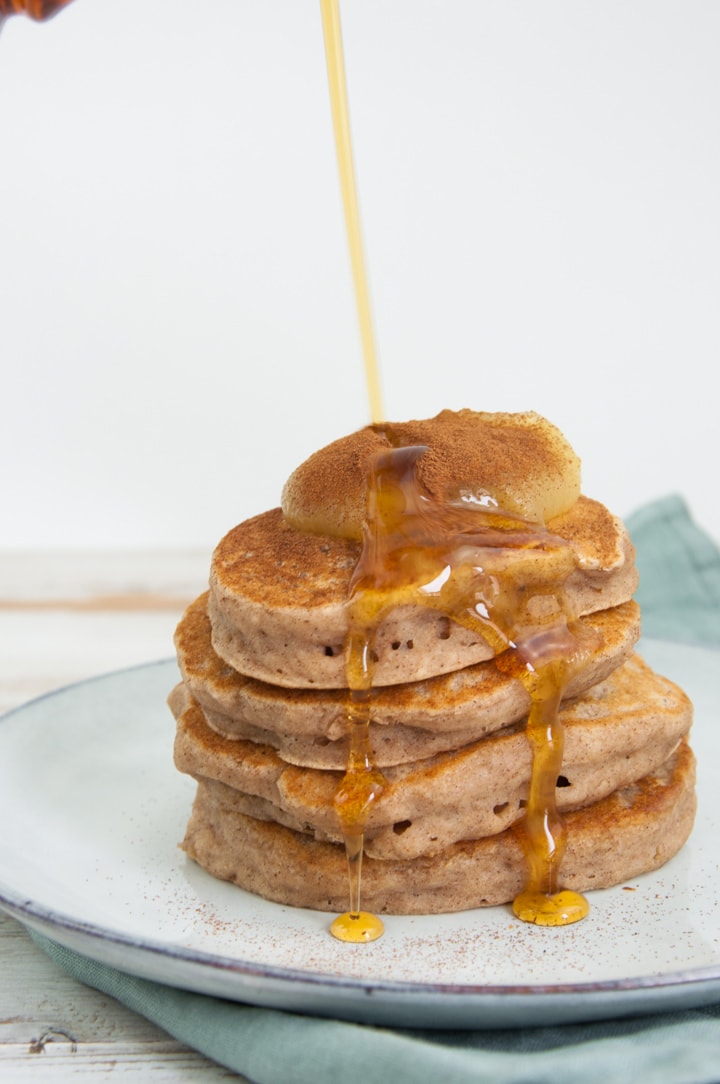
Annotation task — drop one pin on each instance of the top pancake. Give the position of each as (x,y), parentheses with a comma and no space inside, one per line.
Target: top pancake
(279,601)
(522,462)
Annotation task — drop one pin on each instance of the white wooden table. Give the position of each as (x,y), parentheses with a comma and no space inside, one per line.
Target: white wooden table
(64,618)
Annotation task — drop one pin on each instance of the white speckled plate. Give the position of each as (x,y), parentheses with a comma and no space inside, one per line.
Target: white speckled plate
(96,810)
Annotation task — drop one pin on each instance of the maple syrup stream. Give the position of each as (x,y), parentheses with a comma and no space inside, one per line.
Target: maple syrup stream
(461,560)
(346,168)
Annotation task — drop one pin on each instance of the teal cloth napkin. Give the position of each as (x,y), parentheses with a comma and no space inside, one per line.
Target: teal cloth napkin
(272,1047)
(679,592)
(680,595)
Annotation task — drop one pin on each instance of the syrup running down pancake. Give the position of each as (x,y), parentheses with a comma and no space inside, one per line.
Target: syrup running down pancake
(425,657)
(410,721)
(634,830)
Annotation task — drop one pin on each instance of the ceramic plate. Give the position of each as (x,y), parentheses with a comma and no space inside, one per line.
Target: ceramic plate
(92,860)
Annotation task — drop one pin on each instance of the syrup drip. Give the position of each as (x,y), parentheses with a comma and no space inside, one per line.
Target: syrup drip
(362,784)
(464,558)
(543,832)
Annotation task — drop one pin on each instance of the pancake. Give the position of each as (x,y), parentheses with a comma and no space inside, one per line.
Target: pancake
(308,727)
(521,461)
(278,601)
(632,831)
(623,728)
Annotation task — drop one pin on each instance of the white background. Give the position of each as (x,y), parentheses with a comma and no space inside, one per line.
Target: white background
(539,190)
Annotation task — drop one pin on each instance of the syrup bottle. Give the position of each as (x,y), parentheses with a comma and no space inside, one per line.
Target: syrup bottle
(36,9)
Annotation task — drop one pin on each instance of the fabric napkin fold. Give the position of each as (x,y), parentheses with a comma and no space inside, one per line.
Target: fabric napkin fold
(679,565)
(680,597)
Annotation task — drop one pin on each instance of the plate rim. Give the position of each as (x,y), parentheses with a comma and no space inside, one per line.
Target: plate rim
(46,917)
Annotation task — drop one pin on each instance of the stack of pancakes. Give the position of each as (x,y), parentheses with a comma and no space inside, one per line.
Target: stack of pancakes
(262,706)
